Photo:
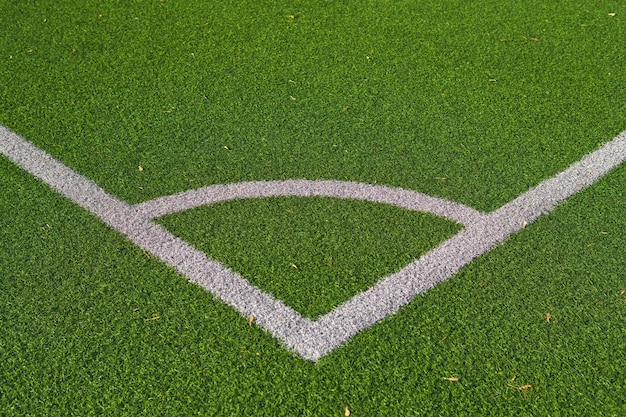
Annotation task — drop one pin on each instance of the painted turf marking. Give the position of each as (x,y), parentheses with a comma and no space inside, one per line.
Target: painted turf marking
(314,339)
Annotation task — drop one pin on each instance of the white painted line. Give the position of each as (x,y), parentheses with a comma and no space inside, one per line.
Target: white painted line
(410,200)
(314,339)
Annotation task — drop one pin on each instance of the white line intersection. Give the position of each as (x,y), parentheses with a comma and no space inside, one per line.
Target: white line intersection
(314,339)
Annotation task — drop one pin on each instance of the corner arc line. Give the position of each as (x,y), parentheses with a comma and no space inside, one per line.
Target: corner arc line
(399,197)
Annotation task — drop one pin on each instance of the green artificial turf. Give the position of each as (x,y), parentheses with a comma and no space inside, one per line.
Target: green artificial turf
(401,92)
(80,336)
(473,101)
(313,253)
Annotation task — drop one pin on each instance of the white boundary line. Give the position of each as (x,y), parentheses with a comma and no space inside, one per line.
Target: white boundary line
(410,200)
(314,339)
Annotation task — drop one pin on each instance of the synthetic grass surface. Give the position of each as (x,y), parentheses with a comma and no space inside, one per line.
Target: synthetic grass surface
(313,253)
(80,334)
(472,101)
